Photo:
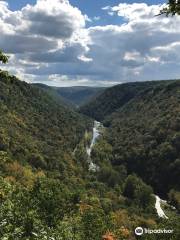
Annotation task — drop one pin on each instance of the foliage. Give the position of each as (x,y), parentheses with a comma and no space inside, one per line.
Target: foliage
(174,197)
(36,130)
(173,8)
(143,132)
(46,191)
(72,96)
(137,191)
(3,57)
(113,98)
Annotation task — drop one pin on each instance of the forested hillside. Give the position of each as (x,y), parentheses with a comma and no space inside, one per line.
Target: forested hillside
(53,93)
(145,136)
(79,95)
(114,98)
(74,96)
(144,130)
(46,188)
(34,128)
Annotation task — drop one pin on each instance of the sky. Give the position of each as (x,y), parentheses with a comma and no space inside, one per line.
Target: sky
(89,42)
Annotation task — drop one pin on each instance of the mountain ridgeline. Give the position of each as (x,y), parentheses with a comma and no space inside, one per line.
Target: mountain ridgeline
(79,95)
(143,130)
(72,96)
(114,98)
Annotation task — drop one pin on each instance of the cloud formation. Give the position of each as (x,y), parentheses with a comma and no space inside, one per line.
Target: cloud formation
(55,18)
(49,41)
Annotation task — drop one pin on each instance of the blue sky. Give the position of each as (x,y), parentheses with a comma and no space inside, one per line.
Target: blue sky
(76,42)
(93,8)
(90,6)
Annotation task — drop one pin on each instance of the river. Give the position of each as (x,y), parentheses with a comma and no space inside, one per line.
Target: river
(96,133)
(159,210)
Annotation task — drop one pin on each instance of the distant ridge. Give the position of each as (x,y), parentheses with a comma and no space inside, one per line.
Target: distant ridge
(115,97)
(74,96)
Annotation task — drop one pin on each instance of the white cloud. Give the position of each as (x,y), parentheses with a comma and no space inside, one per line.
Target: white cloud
(109,10)
(85,59)
(49,41)
(87,19)
(136,11)
(106,8)
(131,56)
(142,44)
(44,33)
(55,18)
(96,18)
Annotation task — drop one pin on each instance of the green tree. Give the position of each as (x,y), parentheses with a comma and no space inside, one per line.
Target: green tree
(93,224)
(3,58)
(174,197)
(173,8)
(135,189)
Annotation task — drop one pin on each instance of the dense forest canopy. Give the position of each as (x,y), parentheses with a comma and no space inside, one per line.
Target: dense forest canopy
(73,96)
(114,98)
(46,189)
(35,128)
(143,129)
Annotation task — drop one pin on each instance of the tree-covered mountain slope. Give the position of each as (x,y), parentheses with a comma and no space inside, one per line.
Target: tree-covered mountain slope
(54,94)
(79,95)
(46,188)
(114,98)
(36,129)
(75,96)
(144,133)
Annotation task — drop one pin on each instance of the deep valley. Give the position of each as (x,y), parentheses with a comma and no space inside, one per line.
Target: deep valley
(62,177)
